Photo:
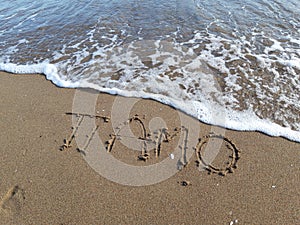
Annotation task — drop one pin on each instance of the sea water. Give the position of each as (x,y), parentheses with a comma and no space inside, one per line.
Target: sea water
(230,63)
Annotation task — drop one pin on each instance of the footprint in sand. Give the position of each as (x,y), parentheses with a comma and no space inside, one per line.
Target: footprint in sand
(12,202)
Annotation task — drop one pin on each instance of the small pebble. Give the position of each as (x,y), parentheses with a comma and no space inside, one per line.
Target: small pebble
(233,222)
(185,183)
(172,156)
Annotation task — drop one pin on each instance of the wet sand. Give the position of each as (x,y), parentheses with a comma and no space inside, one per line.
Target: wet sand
(41,184)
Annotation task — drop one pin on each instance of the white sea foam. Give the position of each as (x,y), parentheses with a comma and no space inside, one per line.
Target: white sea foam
(49,70)
(207,112)
(231,70)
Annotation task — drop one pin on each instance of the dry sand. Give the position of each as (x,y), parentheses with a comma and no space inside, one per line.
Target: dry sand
(42,185)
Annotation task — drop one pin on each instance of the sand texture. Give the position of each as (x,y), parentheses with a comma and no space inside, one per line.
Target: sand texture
(47,174)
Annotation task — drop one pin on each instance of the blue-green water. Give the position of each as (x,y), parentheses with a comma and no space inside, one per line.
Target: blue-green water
(230,63)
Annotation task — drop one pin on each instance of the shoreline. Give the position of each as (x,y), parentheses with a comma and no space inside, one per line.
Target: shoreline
(53,186)
(231,120)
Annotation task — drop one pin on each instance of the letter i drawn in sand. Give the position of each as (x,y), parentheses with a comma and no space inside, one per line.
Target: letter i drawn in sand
(68,141)
(158,142)
(88,141)
(183,162)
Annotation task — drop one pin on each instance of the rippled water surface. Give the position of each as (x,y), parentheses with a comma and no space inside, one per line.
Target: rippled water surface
(231,63)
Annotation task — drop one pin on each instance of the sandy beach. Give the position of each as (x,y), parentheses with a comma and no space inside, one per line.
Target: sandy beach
(43,184)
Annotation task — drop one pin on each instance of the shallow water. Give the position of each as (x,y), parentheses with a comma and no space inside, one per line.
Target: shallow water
(230,63)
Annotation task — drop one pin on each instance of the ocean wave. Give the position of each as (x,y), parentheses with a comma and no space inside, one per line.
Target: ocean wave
(239,68)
